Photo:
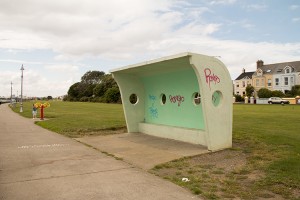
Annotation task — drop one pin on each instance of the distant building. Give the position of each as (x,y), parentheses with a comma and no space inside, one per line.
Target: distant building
(241,82)
(279,76)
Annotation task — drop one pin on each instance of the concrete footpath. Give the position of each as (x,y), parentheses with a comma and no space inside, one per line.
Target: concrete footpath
(39,164)
(143,150)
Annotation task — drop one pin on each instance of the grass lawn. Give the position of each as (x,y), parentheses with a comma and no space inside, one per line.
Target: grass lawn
(76,119)
(264,162)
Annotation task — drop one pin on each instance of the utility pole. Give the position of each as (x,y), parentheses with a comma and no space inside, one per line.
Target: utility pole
(21,107)
(11,93)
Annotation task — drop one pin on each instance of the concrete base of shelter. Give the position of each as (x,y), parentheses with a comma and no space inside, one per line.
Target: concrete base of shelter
(142,150)
(189,135)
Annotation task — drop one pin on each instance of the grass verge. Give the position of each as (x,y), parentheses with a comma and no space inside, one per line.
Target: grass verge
(264,162)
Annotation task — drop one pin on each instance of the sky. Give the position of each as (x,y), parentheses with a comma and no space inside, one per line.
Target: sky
(57,41)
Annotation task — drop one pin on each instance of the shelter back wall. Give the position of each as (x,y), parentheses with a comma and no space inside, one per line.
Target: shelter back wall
(179,109)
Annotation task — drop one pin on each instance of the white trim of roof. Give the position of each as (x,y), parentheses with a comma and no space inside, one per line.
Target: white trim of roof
(153,61)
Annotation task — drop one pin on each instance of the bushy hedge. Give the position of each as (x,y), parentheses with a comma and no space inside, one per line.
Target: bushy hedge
(266,93)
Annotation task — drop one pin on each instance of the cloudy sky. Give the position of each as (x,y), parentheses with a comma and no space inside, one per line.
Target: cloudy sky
(57,41)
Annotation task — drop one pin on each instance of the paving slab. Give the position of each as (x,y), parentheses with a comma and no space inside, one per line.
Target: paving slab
(38,164)
(142,150)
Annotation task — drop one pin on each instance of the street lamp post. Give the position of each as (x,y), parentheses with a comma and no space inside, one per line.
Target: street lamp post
(11,93)
(21,102)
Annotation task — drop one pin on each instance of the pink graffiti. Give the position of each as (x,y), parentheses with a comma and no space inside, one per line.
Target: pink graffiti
(211,77)
(177,98)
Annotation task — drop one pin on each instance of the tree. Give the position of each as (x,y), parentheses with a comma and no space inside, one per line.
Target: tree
(264,93)
(107,82)
(92,77)
(99,90)
(112,95)
(295,91)
(86,90)
(277,93)
(73,91)
(95,86)
(249,90)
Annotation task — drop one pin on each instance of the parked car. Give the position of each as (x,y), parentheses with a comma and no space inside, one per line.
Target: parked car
(277,100)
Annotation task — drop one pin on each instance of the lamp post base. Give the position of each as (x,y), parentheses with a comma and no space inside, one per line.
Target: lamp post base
(21,108)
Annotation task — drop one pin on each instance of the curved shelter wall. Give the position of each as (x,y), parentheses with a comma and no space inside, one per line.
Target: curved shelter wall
(216,93)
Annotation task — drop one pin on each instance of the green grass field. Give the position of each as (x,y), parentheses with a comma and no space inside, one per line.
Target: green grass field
(76,119)
(266,145)
(272,135)
(265,158)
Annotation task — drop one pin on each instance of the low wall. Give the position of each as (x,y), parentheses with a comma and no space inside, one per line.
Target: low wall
(291,100)
(265,100)
(262,100)
(194,136)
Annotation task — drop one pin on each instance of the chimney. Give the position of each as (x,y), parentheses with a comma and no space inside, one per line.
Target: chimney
(244,70)
(259,64)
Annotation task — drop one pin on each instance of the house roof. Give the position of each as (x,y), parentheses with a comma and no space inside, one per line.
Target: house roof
(278,68)
(245,75)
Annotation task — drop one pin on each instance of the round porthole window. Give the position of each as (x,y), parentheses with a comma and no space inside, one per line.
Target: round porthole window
(196,98)
(163,99)
(133,98)
(216,98)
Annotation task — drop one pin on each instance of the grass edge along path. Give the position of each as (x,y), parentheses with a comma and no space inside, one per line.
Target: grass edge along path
(78,119)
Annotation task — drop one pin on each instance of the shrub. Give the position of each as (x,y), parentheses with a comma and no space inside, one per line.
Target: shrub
(249,90)
(239,98)
(84,99)
(277,93)
(264,93)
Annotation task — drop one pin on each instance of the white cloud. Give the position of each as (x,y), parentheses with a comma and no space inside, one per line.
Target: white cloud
(76,29)
(6,77)
(64,68)
(294,7)
(247,25)
(53,80)
(37,84)
(21,39)
(134,31)
(296,19)
(232,53)
(216,2)
(19,61)
(256,7)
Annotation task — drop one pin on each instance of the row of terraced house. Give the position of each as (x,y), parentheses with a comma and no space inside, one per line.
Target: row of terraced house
(279,76)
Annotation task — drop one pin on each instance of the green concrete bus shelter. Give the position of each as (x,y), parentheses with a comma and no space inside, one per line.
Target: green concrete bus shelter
(185,97)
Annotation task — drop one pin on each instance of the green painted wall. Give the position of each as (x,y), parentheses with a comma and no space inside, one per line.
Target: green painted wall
(179,109)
